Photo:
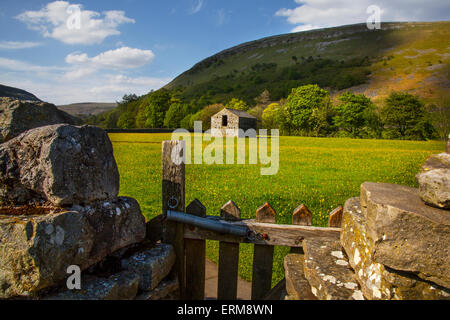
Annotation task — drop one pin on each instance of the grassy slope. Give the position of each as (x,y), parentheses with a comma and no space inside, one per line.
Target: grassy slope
(417,56)
(320,172)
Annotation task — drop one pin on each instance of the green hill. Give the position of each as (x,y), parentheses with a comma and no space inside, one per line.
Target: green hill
(411,56)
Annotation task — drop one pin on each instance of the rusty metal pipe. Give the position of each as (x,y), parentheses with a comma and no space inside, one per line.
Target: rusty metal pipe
(208,224)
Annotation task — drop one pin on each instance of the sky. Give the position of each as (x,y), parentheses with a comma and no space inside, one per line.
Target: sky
(97,51)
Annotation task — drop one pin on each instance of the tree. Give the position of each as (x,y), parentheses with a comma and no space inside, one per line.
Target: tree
(111,119)
(129,98)
(263,99)
(175,114)
(126,120)
(354,114)
(158,103)
(205,115)
(307,107)
(269,116)
(237,104)
(405,117)
(440,116)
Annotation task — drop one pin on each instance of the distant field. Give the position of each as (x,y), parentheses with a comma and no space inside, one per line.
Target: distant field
(320,172)
(88,108)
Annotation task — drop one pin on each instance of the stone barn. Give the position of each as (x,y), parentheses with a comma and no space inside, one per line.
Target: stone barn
(227,122)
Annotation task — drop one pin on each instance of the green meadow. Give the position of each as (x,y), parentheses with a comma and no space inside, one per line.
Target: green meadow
(319,172)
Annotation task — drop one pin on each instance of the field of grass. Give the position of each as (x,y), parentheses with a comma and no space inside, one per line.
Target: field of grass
(320,172)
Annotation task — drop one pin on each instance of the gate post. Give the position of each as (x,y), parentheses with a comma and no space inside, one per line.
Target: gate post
(173,193)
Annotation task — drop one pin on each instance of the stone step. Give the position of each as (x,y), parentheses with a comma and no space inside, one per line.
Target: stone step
(328,271)
(376,280)
(297,287)
(168,289)
(407,234)
(121,286)
(141,276)
(152,265)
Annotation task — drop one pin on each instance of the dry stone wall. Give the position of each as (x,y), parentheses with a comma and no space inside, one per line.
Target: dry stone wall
(394,245)
(59,209)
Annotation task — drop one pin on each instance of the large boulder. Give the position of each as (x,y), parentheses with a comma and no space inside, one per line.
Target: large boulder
(434,181)
(407,235)
(377,281)
(18,116)
(62,164)
(36,250)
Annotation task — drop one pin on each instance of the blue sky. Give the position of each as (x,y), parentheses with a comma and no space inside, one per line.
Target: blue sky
(132,46)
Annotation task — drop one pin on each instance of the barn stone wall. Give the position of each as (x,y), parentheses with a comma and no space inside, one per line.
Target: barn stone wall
(231,130)
(234,124)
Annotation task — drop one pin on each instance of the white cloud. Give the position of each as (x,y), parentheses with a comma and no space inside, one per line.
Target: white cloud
(20,66)
(12,45)
(197,6)
(54,21)
(120,84)
(118,59)
(313,14)
(221,16)
(75,82)
(121,58)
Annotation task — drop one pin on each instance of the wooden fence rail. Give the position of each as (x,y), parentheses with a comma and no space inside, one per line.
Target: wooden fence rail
(263,232)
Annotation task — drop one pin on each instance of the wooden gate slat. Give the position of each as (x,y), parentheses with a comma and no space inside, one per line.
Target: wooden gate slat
(263,257)
(335,218)
(195,258)
(228,258)
(173,192)
(303,217)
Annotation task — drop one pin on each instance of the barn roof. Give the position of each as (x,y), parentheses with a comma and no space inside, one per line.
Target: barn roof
(241,113)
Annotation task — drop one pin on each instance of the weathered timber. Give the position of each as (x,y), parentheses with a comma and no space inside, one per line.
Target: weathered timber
(263,256)
(302,216)
(230,211)
(335,218)
(278,234)
(278,292)
(173,195)
(195,258)
(154,229)
(228,257)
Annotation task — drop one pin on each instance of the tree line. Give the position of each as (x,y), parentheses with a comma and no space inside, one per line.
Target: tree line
(307,111)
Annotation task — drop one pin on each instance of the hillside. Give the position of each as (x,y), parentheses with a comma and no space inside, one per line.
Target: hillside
(16,93)
(87,108)
(412,57)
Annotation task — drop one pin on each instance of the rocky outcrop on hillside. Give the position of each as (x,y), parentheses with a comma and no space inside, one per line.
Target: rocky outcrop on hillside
(394,245)
(17,116)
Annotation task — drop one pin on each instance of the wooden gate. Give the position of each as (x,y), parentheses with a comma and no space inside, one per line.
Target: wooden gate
(190,241)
